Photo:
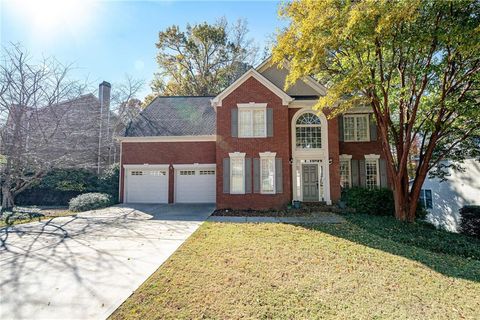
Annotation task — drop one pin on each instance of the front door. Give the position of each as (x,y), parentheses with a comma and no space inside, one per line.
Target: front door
(310,182)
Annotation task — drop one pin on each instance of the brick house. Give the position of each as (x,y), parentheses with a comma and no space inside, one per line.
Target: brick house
(252,146)
(77,133)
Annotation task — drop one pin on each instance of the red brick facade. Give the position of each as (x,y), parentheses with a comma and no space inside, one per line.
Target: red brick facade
(333,153)
(165,153)
(253,91)
(358,150)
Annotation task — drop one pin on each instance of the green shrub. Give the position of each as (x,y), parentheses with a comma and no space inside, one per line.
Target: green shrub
(470,222)
(19,213)
(108,182)
(69,180)
(59,186)
(370,201)
(421,213)
(90,201)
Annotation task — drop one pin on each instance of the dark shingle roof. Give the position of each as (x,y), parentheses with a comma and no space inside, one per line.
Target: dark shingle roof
(175,116)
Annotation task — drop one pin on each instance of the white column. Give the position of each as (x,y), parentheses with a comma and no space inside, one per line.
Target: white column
(294,179)
(326,185)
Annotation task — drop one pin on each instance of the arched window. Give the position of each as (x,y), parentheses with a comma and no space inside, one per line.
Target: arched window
(308,131)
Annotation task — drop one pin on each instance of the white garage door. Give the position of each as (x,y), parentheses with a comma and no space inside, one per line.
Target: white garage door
(144,185)
(195,185)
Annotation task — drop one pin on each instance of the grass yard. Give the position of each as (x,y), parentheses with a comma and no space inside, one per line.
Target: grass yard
(367,268)
(47,213)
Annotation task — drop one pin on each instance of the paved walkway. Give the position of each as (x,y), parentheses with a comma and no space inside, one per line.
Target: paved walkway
(315,218)
(84,267)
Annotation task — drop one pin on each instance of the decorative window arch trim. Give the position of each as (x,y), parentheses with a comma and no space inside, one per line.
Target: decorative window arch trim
(312,120)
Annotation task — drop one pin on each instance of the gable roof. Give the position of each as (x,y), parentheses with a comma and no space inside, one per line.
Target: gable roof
(308,80)
(286,99)
(174,116)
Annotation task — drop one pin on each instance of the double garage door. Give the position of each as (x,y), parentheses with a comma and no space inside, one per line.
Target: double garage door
(145,184)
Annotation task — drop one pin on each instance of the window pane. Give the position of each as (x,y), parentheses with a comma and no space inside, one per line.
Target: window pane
(236,183)
(421,199)
(245,123)
(259,123)
(308,132)
(268,175)
(309,137)
(362,128)
(345,173)
(308,118)
(428,199)
(371,173)
(349,128)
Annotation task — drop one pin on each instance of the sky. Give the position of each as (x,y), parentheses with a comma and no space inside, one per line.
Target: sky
(105,40)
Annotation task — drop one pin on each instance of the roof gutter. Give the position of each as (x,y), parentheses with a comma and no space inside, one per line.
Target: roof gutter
(200,138)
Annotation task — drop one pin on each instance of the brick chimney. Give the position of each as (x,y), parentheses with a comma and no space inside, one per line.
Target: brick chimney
(104,139)
(104,95)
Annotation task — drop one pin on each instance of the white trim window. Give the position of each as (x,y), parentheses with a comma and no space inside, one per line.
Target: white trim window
(267,172)
(345,172)
(356,127)
(372,175)
(308,131)
(426,199)
(252,120)
(237,173)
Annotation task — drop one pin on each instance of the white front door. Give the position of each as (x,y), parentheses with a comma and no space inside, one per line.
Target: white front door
(144,185)
(195,185)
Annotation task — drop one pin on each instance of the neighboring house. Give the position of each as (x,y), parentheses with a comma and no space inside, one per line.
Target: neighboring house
(443,199)
(74,133)
(252,146)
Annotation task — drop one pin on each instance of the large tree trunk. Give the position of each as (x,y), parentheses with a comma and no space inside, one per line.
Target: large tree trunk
(7,198)
(406,197)
(400,198)
(415,193)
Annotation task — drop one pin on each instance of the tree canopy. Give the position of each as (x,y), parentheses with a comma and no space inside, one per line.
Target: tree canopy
(202,60)
(416,63)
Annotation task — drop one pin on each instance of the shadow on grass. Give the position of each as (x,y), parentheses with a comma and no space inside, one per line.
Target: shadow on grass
(453,255)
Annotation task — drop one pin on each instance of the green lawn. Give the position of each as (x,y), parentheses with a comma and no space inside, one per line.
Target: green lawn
(367,268)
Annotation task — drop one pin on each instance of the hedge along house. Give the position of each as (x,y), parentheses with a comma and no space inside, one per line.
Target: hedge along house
(252,146)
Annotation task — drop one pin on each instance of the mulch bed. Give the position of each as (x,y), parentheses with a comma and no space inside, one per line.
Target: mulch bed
(305,211)
(259,213)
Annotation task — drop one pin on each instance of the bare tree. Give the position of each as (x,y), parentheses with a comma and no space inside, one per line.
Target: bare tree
(125,103)
(35,105)
(124,107)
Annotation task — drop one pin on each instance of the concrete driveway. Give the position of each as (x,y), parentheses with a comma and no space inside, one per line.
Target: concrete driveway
(84,267)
